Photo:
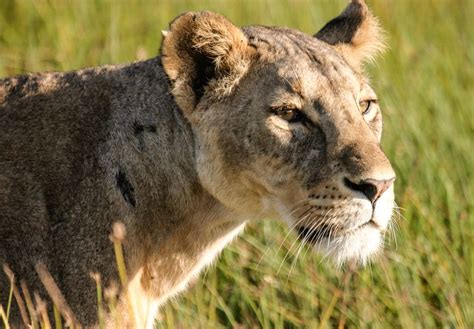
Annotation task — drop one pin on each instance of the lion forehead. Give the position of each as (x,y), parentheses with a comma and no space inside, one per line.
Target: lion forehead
(303,61)
(284,43)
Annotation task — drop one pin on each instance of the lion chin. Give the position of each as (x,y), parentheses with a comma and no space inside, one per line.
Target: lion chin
(359,246)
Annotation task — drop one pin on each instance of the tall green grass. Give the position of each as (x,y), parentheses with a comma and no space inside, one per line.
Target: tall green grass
(425,82)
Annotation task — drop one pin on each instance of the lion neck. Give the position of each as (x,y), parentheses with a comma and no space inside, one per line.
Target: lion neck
(178,227)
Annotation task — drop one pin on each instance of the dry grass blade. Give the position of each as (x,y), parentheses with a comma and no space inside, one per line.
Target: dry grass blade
(56,295)
(110,294)
(42,311)
(100,306)
(16,294)
(29,305)
(117,237)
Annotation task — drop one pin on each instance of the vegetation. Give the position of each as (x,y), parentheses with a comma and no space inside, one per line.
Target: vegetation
(425,81)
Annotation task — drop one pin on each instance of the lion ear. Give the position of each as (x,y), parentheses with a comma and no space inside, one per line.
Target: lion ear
(355,33)
(201,47)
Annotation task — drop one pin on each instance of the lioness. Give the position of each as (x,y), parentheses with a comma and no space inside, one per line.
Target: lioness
(227,125)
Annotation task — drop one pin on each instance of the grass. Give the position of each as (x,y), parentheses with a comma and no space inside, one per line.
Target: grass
(425,81)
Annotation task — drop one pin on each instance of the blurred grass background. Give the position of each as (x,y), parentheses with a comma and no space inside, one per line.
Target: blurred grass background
(425,82)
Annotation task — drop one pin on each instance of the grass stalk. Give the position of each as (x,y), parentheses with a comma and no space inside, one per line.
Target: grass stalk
(29,305)
(58,324)
(4,318)
(117,237)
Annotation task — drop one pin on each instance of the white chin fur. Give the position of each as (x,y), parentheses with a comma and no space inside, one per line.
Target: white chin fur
(360,246)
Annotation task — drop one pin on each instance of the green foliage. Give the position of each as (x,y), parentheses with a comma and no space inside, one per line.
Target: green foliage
(425,82)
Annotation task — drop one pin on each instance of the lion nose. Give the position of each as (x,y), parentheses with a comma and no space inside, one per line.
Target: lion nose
(371,188)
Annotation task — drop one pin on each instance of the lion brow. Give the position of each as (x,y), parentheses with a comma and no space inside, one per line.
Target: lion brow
(295,85)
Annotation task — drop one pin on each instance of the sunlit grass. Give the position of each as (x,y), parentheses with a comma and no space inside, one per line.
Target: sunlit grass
(425,83)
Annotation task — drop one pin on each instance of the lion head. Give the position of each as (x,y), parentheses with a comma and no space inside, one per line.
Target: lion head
(286,125)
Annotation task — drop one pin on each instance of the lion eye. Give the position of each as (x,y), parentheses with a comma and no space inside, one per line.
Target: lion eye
(288,114)
(366,105)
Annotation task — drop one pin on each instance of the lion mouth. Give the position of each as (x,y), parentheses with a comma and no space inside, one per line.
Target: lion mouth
(313,235)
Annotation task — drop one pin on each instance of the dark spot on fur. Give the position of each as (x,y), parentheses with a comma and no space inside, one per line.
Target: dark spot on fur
(139,129)
(126,188)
